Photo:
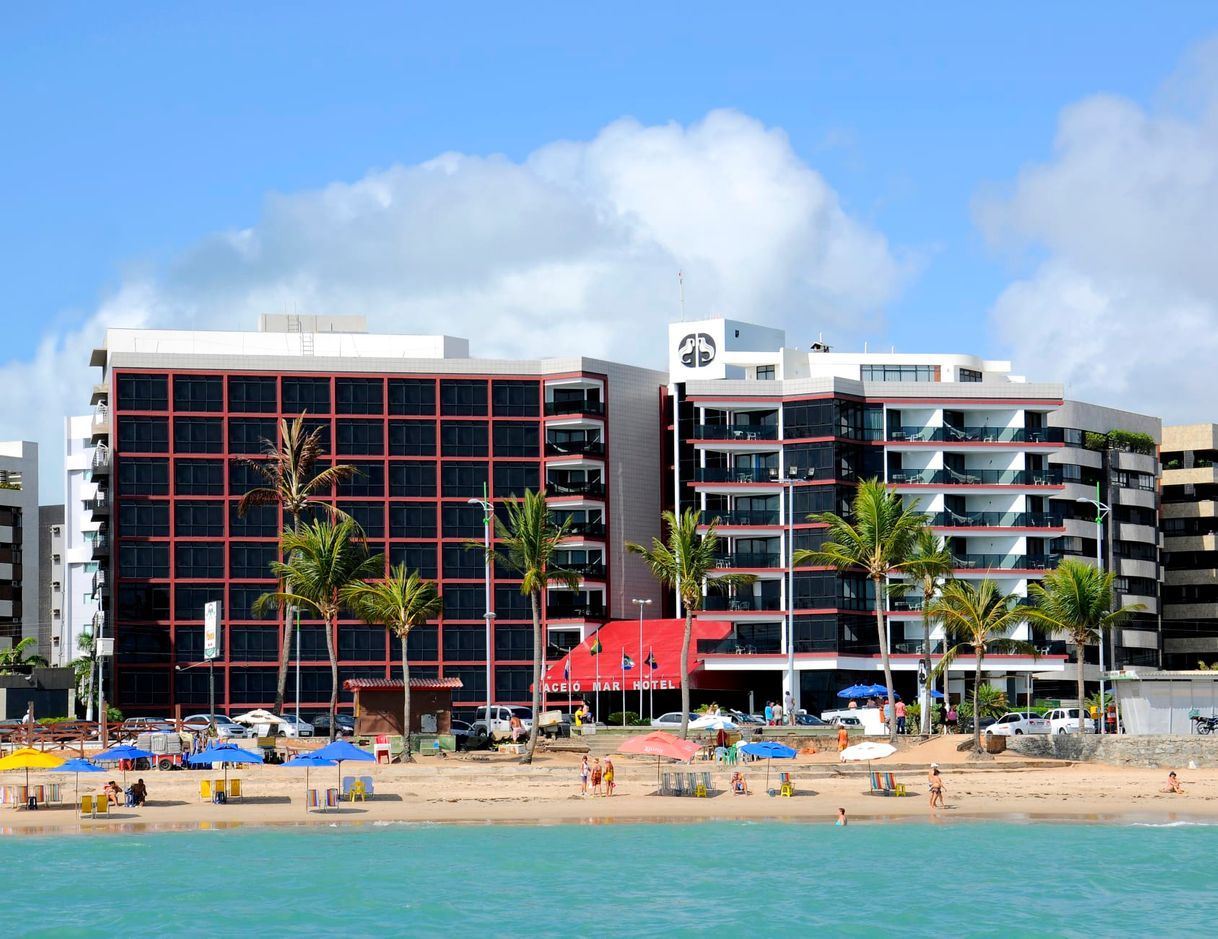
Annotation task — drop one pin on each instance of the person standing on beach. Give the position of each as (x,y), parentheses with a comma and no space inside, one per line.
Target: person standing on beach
(608,777)
(597,774)
(585,772)
(900,716)
(769,713)
(789,707)
(935,784)
(843,738)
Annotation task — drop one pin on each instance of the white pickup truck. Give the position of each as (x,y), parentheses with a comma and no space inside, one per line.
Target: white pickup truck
(1065,721)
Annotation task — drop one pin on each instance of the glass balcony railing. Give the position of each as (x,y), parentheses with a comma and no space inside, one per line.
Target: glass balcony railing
(594,569)
(101,545)
(575,448)
(728,474)
(575,488)
(718,602)
(749,559)
(1005,562)
(586,530)
(993,520)
(742,517)
(741,432)
(575,611)
(976,477)
(975,435)
(575,406)
(735,646)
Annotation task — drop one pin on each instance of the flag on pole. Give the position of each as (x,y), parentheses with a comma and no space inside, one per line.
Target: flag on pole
(595,648)
(627,662)
(651,660)
(566,669)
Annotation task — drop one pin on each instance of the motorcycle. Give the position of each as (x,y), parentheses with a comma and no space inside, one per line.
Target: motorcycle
(1205,725)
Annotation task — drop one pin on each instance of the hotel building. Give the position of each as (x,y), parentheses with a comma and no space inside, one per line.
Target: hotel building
(20,613)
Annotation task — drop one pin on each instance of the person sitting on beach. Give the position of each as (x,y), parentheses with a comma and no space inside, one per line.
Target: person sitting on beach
(113,792)
(740,786)
(841,818)
(138,793)
(517,727)
(608,777)
(1173,785)
(935,784)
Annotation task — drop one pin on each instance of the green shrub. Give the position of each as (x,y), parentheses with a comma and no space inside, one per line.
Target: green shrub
(1132,441)
(632,719)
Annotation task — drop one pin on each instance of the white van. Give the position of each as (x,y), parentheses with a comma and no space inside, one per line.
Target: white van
(1065,721)
(500,723)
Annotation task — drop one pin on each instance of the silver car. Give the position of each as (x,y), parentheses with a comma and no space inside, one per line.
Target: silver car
(225,728)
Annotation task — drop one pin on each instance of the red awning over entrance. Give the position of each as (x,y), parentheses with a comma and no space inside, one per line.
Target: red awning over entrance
(583,672)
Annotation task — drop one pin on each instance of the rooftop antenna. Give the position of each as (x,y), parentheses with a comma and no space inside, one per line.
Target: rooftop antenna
(681,285)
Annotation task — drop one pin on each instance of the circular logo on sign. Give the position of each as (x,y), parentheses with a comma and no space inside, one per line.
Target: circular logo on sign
(696,350)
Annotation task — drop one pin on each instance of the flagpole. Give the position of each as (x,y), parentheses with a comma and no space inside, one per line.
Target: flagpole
(596,685)
(651,685)
(623,686)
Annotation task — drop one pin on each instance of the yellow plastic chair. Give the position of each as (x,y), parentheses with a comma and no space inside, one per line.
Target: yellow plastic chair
(205,790)
(86,806)
(101,806)
(357,789)
(234,788)
(787,788)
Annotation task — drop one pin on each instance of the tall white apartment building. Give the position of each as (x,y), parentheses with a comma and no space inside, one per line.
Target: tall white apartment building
(80,577)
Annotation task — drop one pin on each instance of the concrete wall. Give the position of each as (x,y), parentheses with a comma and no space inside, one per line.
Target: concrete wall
(1158,751)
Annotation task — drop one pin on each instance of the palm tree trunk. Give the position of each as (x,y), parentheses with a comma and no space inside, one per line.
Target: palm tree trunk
(976,697)
(1082,725)
(285,648)
(539,658)
(884,659)
(407,753)
(924,715)
(689,630)
(331,626)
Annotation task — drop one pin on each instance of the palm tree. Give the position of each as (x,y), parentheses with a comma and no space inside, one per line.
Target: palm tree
(1076,599)
(400,602)
(880,540)
(14,658)
(324,558)
(526,544)
(979,617)
(288,470)
(684,563)
(930,561)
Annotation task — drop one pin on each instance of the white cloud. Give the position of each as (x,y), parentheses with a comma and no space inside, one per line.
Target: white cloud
(1123,304)
(573,250)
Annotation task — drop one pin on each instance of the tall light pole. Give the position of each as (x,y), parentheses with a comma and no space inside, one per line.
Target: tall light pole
(640,604)
(295,610)
(792,478)
(488,521)
(1101,510)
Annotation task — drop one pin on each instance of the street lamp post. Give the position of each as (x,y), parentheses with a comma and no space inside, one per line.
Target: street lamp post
(1101,511)
(295,610)
(488,521)
(640,604)
(792,478)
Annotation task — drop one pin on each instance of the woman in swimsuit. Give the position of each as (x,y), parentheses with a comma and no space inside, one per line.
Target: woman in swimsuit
(935,785)
(608,776)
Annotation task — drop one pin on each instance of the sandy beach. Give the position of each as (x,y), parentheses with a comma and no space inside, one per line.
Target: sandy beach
(492,788)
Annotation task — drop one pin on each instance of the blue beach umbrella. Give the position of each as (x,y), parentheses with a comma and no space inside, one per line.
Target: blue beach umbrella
(771,750)
(308,761)
(936,693)
(340,751)
(78,766)
(224,753)
(856,691)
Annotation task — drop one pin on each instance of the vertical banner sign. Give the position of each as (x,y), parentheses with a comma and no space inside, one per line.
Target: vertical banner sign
(211,630)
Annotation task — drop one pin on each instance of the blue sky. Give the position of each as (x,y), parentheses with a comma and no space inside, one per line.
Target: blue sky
(136,130)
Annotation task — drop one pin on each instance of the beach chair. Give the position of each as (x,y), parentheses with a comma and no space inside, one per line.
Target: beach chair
(691,784)
(101,806)
(205,790)
(332,798)
(86,806)
(885,784)
(786,787)
(678,784)
(369,789)
(704,785)
(348,782)
(356,791)
(54,793)
(234,788)
(311,800)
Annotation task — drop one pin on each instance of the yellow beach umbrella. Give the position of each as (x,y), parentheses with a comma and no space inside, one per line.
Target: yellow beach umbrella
(28,758)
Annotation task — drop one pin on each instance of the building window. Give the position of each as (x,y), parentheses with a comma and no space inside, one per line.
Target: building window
(412,479)
(516,399)
(143,477)
(198,519)
(198,393)
(968,374)
(198,435)
(259,521)
(253,395)
(463,480)
(189,599)
(242,478)
(360,437)
(362,643)
(412,396)
(146,602)
(322,428)
(463,602)
(461,397)
(412,520)
(199,561)
(512,479)
(306,394)
(369,480)
(516,438)
(463,563)
(765,373)
(246,434)
(370,516)
(464,644)
(253,644)
(358,395)
(473,683)
(143,393)
(198,477)
(252,686)
(143,435)
(422,645)
(900,372)
(144,561)
(412,438)
(463,438)
(416,557)
(241,599)
(144,519)
(512,681)
(460,520)
(251,560)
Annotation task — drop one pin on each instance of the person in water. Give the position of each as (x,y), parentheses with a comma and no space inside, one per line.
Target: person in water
(841,818)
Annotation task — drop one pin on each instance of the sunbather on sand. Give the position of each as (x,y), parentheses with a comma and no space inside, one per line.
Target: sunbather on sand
(1173,785)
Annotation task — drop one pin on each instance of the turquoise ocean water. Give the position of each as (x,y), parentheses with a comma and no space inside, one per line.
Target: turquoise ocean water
(614,880)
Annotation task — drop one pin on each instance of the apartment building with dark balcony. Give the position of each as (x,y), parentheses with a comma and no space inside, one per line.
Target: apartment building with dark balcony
(428,429)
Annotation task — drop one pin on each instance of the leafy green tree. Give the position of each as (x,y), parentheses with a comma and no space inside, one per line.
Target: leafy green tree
(14,659)
(324,559)
(979,618)
(879,539)
(526,544)
(684,563)
(292,481)
(929,563)
(399,603)
(1076,599)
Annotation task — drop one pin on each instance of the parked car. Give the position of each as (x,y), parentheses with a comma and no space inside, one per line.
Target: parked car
(843,721)
(132,727)
(1018,723)
(343,721)
(739,717)
(225,727)
(469,736)
(499,721)
(671,720)
(1065,721)
(296,728)
(809,720)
